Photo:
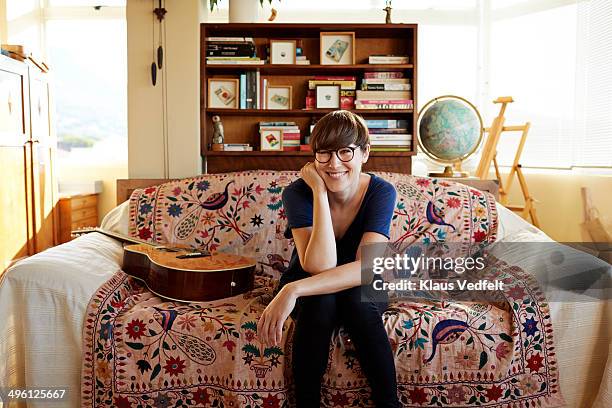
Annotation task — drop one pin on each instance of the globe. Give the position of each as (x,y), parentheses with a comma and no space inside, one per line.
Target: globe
(449,131)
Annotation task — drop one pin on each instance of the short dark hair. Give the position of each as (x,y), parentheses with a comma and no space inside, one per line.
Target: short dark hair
(339,129)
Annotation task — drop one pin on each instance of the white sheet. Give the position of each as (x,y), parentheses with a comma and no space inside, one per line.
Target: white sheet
(43,301)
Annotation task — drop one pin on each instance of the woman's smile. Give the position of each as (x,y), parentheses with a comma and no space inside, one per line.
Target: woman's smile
(336,175)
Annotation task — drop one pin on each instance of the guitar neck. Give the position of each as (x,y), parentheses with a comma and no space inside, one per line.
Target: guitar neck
(111,234)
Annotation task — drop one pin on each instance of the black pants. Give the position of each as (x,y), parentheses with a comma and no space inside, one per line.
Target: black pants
(317,317)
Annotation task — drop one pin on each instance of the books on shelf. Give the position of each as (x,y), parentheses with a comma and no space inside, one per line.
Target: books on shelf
(233,47)
(391,148)
(387,123)
(382,95)
(344,84)
(289,134)
(383,75)
(388,59)
(385,87)
(229,39)
(234,60)
(237,147)
(383,104)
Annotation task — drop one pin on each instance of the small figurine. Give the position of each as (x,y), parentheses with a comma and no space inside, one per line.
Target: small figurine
(217,130)
(388,10)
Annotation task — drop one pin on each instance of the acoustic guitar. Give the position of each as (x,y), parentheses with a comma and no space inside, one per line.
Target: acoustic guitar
(183,273)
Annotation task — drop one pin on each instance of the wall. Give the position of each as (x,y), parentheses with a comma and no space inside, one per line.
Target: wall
(560,208)
(164,139)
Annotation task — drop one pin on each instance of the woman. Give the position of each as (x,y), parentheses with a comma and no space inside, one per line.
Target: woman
(332,210)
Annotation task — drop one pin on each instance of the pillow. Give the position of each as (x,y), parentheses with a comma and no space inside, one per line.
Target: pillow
(118,219)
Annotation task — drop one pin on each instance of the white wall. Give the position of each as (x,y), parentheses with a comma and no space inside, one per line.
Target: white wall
(164,142)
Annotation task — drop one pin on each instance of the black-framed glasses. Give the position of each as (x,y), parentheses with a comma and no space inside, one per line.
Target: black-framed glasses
(344,154)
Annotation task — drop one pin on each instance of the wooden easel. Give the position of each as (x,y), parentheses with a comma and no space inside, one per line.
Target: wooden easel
(489,154)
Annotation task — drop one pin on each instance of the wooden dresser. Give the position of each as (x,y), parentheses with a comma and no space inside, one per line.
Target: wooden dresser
(77,211)
(28,190)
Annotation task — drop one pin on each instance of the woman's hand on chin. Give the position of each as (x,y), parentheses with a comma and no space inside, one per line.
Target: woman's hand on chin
(314,180)
(270,325)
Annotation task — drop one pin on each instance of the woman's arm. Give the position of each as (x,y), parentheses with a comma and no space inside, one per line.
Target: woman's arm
(316,245)
(270,325)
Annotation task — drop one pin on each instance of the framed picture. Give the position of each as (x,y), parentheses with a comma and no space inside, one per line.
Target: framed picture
(337,48)
(282,51)
(270,139)
(328,96)
(223,93)
(278,97)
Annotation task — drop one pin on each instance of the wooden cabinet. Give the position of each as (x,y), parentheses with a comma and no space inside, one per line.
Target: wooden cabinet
(241,125)
(28,190)
(75,212)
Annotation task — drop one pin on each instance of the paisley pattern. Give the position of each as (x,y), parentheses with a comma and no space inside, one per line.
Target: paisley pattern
(143,351)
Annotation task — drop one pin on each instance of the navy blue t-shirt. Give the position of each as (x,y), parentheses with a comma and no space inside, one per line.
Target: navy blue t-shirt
(374,215)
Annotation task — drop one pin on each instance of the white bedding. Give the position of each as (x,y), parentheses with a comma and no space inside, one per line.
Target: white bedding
(41,317)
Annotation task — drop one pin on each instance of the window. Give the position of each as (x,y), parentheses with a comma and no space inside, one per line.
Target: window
(90,73)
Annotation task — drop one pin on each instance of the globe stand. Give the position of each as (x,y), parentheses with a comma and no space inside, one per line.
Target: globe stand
(449,172)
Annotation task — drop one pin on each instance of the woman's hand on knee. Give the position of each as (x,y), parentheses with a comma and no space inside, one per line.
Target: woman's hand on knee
(270,325)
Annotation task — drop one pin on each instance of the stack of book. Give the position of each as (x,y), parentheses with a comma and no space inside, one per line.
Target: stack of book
(290,133)
(300,58)
(384,90)
(236,147)
(389,135)
(388,59)
(231,50)
(348,86)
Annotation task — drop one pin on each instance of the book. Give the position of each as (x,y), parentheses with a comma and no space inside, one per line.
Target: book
(391,142)
(334,78)
(390,136)
(387,131)
(268,124)
(251,90)
(243,92)
(383,75)
(229,39)
(391,148)
(257,90)
(305,148)
(385,101)
(385,87)
(230,53)
(238,149)
(387,123)
(343,84)
(243,62)
(241,58)
(385,81)
(383,106)
(382,95)
(388,59)
(302,62)
(347,102)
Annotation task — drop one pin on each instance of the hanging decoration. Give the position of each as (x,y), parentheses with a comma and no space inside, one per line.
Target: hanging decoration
(160,13)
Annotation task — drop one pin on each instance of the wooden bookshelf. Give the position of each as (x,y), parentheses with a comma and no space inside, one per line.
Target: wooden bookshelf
(242,125)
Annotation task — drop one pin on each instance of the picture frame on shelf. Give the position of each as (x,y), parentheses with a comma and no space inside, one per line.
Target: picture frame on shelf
(327,96)
(337,48)
(279,97)
(283,51)
(223,93)
(271,140)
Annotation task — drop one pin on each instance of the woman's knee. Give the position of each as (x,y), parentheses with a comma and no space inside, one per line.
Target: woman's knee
(318,310)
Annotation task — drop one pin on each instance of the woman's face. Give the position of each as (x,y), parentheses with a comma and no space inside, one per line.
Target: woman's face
(338,174)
